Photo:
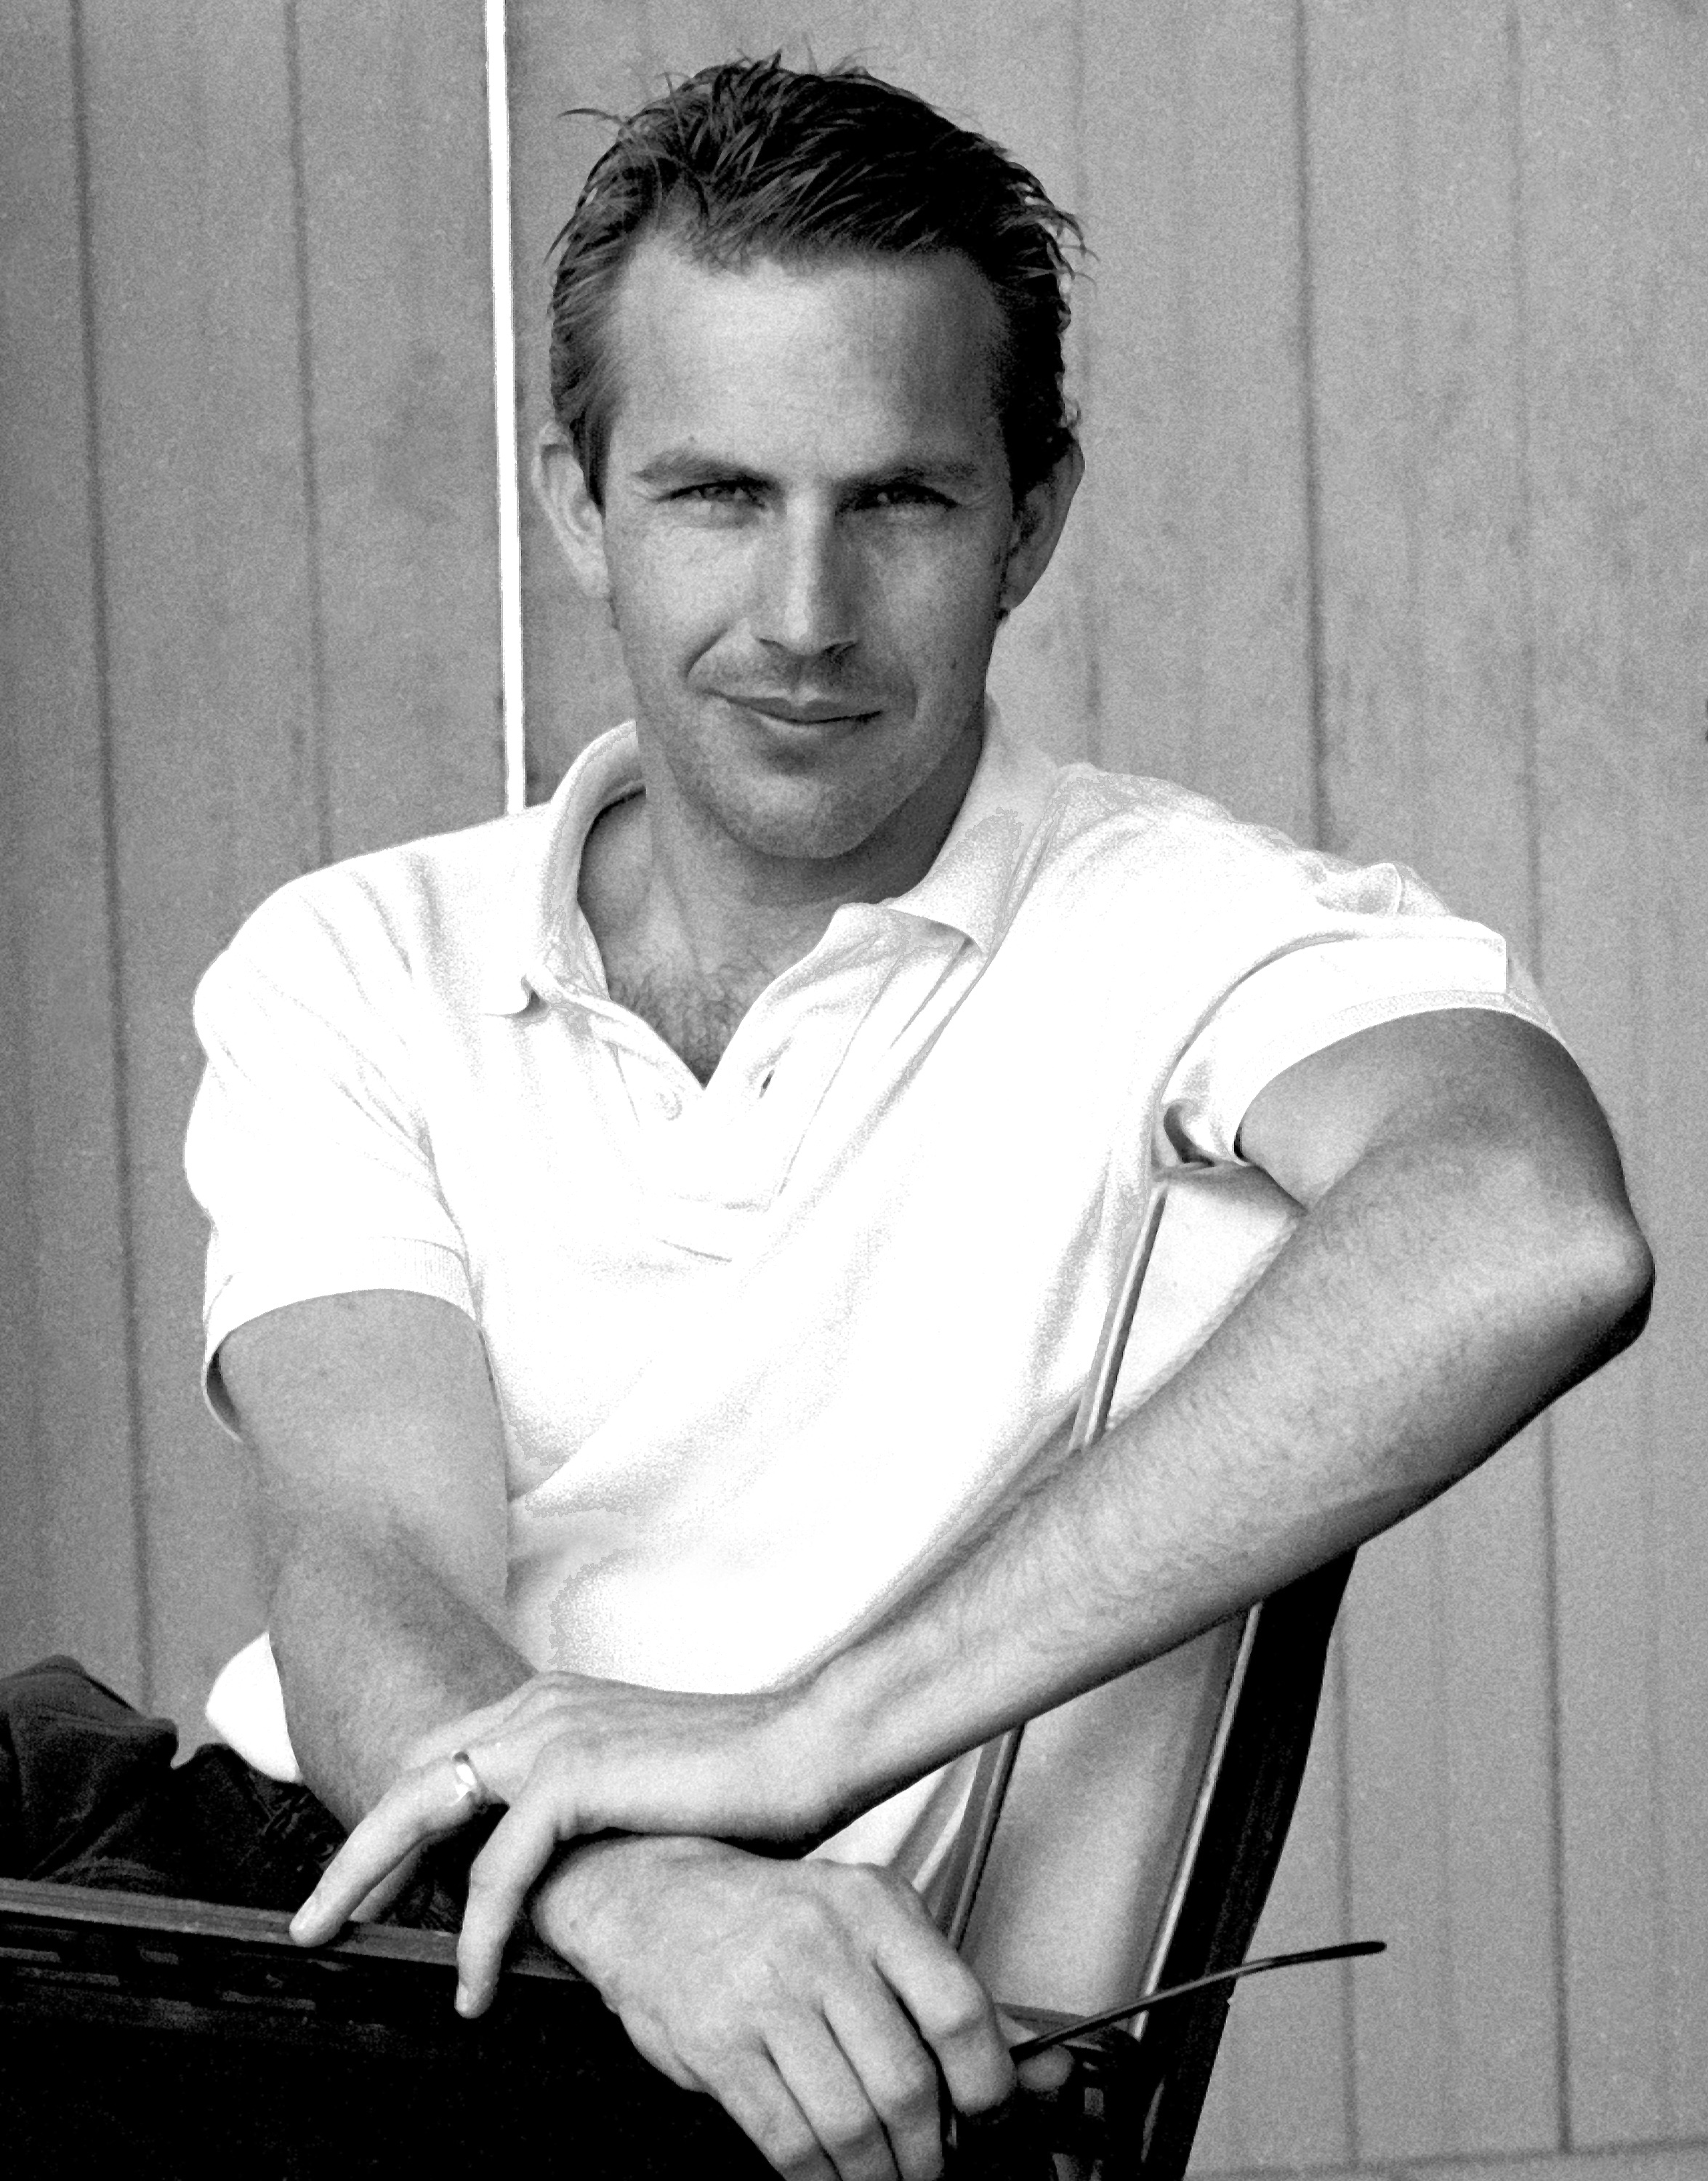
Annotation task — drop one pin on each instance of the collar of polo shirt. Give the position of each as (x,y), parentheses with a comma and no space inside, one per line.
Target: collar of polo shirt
(541,944)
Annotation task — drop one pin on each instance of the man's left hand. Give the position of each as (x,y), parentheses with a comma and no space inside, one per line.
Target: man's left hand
(572,1755)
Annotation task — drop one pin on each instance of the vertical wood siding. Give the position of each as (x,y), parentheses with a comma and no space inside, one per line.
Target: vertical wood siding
(1395,534)
(1409,197)
(1613,118)
(70,1456)
(251,623)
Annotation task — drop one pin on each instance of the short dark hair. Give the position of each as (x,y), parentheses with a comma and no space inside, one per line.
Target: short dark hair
(749,160)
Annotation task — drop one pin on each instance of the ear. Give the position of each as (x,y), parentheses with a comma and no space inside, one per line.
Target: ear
(1037,523)
(575,514)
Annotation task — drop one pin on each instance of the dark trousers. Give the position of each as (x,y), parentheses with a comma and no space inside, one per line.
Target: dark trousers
(89,1795)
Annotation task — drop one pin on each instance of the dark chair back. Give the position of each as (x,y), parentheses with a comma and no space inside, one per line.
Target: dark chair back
(1240,1828)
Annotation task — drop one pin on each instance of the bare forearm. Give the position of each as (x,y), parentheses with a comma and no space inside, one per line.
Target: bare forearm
(1380,1357)
(371,1418)
(378,1657)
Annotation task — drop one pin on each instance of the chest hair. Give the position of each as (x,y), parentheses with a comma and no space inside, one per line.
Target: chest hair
(696,1015)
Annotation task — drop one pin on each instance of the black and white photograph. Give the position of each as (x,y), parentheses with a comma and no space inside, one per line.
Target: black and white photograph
(853,1012)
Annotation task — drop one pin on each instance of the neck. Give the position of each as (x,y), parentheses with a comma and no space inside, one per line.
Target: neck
(691,930)
(659,890)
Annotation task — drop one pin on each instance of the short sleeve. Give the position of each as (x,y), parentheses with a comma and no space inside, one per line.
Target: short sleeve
(307,1149)
(1350,949)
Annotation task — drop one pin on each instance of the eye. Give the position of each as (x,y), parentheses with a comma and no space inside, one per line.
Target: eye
(719,492)
(904,496)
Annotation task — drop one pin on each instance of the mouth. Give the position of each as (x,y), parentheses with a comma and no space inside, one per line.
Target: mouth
(808,711)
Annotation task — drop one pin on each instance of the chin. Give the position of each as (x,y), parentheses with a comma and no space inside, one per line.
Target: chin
(813,824)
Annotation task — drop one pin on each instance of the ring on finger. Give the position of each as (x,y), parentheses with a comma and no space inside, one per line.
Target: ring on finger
(471,1787)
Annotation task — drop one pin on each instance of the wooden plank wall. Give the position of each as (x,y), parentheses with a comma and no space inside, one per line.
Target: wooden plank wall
(1396,535)
(250,622)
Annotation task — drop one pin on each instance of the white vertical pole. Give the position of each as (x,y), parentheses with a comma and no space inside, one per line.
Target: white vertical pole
(505,387)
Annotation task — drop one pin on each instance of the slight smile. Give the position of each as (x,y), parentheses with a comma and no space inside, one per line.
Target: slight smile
(799,712)
(810,718)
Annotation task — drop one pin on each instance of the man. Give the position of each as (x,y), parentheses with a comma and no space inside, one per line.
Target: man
(657,1240)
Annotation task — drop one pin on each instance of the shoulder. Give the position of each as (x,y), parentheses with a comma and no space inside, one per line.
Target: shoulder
(1126,838)
(439,913)
(1222,924)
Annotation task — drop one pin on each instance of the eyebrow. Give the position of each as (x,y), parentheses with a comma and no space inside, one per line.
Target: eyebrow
(681,466)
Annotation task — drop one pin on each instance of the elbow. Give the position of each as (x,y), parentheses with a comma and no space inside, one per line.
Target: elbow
(1587,1274)
(1569,1270)
(1573,1245)
(1614,1284)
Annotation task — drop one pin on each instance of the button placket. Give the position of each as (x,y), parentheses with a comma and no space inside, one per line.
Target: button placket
(810,1032)
(722,1152)
(645,1069)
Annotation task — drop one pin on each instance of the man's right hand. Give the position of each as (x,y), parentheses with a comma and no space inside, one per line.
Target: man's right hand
(816,2001)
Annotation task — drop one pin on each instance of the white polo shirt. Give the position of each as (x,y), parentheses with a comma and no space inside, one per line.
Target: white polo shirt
(763,1349)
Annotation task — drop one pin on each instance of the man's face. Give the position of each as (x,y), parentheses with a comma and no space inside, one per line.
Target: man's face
(806,536)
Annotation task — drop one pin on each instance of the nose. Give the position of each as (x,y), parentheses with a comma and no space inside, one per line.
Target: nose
(808,589)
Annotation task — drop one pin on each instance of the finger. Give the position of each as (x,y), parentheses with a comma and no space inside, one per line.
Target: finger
(834,2103)
(422,1807)
(500,1879)
(952,2012)
(765,2109)
(897,2074)
(373,1905)
(1045,2072)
